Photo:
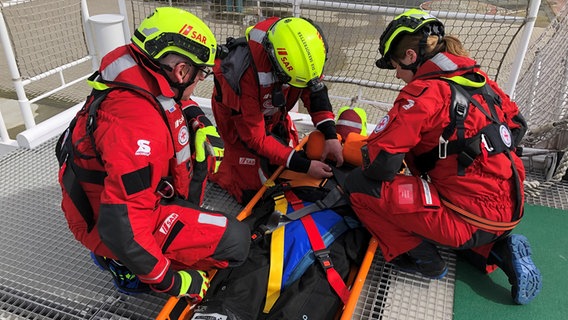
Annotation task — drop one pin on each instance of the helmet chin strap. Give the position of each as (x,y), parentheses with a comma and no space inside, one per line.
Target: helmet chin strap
(181,86)
(411,67)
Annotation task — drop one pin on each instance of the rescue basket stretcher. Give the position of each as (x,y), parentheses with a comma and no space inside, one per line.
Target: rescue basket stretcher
(177,308)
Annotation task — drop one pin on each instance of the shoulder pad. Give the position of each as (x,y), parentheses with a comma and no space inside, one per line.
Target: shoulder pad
(415,89)
(233,66)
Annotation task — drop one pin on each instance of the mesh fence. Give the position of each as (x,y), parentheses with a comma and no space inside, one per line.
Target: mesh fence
(352,29)
(52,34)
(542,92)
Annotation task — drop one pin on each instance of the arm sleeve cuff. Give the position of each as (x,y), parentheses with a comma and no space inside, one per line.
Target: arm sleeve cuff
(299,162)
(196,118)
(328,129)
(170,284)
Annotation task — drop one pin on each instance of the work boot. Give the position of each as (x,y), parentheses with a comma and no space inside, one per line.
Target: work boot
(424,259)
(513,255)
(124,280)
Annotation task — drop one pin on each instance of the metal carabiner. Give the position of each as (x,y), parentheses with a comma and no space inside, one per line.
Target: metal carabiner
(442,148)
(165,189)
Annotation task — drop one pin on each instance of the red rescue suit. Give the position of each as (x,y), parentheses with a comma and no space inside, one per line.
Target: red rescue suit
(252,128)
(402,210)
(141,137)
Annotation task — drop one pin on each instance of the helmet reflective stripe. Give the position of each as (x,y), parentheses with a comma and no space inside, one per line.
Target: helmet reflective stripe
(173,30)
(116,67)
(349,124)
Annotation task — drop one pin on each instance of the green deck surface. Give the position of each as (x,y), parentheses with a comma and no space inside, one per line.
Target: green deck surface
(487,297)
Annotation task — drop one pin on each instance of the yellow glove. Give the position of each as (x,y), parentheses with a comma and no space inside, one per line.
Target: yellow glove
(209,143)
(194,285)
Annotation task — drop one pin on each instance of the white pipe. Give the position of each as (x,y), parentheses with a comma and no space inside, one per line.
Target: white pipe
(89,35)
(47,129)
(46,94)
(55,70)
(5,40)
(394,11)
(108,33)
(524,44)
(23,102)
(125,26)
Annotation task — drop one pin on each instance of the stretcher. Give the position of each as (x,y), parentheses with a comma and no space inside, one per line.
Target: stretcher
(177,308)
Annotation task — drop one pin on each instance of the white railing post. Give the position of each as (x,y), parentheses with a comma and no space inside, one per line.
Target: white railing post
(23,102)
(125,26)
(532,14)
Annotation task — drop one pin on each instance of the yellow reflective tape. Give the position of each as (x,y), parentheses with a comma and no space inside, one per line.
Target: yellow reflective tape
(276,258)
(97,85)
(466,82)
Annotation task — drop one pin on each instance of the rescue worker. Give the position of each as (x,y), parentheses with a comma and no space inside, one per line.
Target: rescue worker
(264,74)
(128,171)
(458,132)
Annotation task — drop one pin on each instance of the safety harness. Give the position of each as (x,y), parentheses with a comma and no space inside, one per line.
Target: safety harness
(495,138)
(290,208)
(66,151)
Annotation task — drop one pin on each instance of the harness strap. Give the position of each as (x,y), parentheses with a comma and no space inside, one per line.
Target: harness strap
(334,198)
(71,182)
(480,222)
(323,256)
(276,257)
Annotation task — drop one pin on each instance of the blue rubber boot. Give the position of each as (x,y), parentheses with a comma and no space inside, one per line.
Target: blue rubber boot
(124,280)
(513,255)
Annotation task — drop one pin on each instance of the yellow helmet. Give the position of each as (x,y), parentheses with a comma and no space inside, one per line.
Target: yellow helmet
(409,22)
(173,30)
(298,51)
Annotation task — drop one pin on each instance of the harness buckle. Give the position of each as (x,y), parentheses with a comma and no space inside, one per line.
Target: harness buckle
(165,189)
(442,148)
(324,258)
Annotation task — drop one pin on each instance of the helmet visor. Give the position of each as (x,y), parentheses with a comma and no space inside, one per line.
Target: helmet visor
(154,47)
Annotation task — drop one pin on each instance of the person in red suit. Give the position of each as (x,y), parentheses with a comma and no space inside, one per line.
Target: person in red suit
(458,133)
(261,78)
(131,176)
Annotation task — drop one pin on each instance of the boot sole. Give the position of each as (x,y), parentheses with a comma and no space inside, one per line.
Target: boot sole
(98,263)
(528,280)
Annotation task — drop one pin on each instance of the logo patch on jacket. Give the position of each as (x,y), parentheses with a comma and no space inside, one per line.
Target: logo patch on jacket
(143,148)
(382,124)
(168,222)
(183,136)
(409,104)
(247,161)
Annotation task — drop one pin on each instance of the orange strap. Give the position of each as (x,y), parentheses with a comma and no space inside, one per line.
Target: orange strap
(480,222)
(299,179)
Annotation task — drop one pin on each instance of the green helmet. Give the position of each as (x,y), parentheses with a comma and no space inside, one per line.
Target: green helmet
(173,30)
(409,22)
(298,51)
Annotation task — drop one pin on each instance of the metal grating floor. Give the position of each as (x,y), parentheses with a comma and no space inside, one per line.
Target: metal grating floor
(46,274)
(392,294)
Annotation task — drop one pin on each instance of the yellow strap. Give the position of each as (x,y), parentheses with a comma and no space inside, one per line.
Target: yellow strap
(276,258)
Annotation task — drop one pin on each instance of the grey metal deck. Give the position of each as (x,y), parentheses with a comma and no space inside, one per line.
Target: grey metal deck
(46,274)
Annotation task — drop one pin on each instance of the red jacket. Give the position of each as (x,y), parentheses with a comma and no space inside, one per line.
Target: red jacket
(140,140)
(244,113)
(414,126)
